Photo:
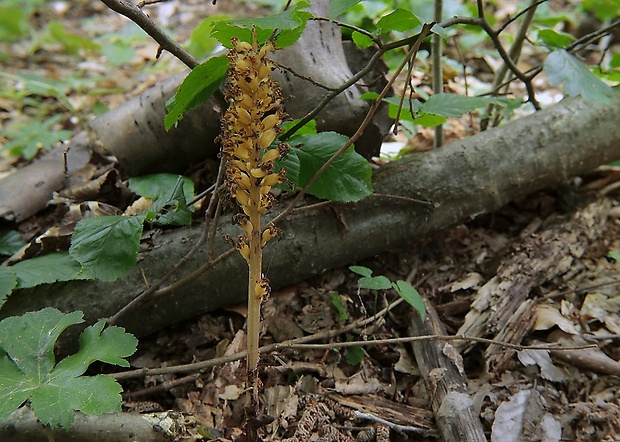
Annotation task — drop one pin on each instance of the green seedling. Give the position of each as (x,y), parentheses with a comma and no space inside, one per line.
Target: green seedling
(403,288)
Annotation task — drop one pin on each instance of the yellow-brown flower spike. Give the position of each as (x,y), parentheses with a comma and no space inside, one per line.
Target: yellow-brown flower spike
(249,127)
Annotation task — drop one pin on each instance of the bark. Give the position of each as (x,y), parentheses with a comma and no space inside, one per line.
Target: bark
(41,179)
(23,426)
(461,180)
(442,368)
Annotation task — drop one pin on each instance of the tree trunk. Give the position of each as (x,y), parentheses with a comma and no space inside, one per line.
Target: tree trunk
(460,181)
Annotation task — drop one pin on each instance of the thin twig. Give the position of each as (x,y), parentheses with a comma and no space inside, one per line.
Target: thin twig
(203,365)
(166,43)
(436,45)
(514,53)
(531,7)
(408,339)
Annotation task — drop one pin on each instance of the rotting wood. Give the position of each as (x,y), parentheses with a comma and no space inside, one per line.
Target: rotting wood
(538,259)
(512,332)
(461,180)
(444,376)
(414,416)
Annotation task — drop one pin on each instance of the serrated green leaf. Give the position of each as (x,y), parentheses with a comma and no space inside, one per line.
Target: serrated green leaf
(29,339)
(411,295)
(361,270)
(289,25)
(10,242)
(398,20)
(348,179)
(614,254)
(13,391)
(554,39)
(362,41)
(292,166)
(27,369)
(197,87)
(107,246)
(55,404)
(337,7)
(47,269)
(563,68)
(8,281)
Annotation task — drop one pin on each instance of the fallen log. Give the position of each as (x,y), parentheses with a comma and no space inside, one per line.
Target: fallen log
(444,376)
(460,181)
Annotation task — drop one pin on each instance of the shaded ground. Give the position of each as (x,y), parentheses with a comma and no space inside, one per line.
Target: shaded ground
(372,392)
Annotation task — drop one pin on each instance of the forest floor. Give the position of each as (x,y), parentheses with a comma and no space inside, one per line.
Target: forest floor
(367,390)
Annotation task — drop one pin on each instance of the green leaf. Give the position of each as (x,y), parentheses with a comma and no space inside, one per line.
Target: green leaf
(603,9)
(398,20)
(201,43)
(72,43)
(10,242)
(107,246)
(452,105)
(118,52)
(355,355)
(47,269)
(429,120)
(337,7)
(361,270)
(614,254)
(362,41)
(8,281)
(13,22)
(337,303)
(375,283)
(347,179)
(28,370)
(197,87)
(411,295)
(289,25)
(554,39)
(367,281)
(30,137)
(170,194)
(562,67)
